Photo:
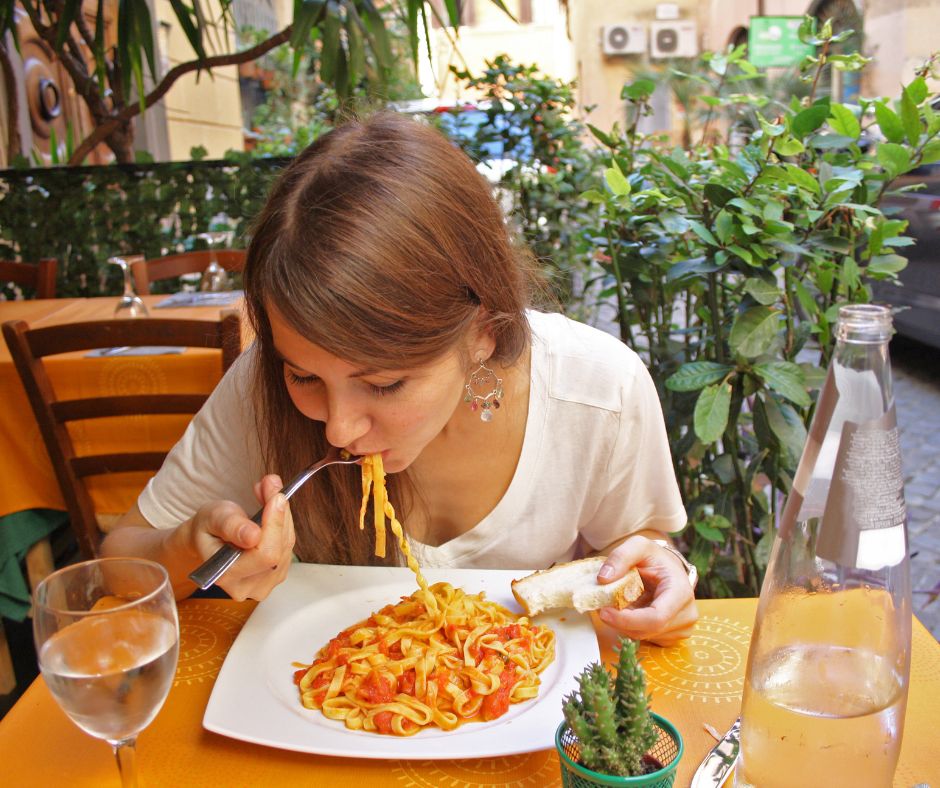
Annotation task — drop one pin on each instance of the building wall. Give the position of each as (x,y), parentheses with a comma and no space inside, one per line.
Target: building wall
(601,77)
(900,35)
(543,41)
(200,110)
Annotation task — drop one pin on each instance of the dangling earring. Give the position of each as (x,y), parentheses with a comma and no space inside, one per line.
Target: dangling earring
(483,377)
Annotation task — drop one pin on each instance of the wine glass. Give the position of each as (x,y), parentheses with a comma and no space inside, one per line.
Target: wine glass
(107,637)
(130,304)
(215,279)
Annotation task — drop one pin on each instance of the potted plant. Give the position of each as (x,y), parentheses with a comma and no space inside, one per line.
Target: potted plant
(610,736)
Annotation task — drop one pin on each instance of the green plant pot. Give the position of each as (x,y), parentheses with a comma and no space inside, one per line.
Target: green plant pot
(667,751)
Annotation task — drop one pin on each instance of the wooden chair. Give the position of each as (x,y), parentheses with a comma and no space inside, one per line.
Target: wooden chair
(38,276)
(29,347)
(147,271)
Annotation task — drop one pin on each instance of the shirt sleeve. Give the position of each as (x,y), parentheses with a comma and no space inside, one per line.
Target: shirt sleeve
(218,457)
(641,488)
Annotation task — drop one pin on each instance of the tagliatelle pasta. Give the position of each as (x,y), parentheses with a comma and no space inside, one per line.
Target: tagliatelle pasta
(408,667)
(373,477)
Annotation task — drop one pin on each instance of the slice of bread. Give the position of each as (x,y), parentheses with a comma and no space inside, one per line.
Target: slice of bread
(574,584)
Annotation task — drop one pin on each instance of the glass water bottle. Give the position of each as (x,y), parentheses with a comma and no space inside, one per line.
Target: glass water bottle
(827,674)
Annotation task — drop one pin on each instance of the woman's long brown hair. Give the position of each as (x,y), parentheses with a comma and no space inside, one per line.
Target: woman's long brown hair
(382,244)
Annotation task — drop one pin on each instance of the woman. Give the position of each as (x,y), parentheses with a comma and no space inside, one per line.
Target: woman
(391,313)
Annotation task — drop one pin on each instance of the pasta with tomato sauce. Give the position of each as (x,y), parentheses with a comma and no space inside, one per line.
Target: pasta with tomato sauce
(409,667)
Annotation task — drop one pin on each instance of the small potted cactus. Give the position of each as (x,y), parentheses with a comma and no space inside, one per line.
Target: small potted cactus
(610,736)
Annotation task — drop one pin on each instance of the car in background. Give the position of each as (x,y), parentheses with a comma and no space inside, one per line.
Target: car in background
(917,297)
(486,135)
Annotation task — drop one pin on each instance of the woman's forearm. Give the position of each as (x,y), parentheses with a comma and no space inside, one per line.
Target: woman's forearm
(169,547)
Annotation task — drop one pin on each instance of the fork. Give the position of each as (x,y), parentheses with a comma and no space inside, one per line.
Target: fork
(208,573)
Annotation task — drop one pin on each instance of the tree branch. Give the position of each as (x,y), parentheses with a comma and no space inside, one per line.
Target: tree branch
(126,113)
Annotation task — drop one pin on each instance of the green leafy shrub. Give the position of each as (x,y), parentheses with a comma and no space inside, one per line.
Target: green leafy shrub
(727,265)
(83,215)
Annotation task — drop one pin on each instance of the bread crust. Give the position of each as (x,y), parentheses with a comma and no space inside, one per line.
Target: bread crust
(573,584)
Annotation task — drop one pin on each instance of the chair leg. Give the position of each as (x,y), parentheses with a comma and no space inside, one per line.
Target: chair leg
(39,562)
(7,676)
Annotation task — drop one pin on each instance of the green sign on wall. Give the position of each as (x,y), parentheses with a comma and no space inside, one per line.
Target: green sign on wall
(774,41)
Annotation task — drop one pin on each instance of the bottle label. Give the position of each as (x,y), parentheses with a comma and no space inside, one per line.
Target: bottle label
(866,495)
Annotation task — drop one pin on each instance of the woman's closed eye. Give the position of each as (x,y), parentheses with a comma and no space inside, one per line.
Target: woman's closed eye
(301,380)
(379,389)
(386,388)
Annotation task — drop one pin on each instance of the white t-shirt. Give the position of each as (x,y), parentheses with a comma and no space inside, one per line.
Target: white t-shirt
(594,465)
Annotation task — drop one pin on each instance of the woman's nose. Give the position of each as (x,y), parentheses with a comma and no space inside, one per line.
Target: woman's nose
(345,423)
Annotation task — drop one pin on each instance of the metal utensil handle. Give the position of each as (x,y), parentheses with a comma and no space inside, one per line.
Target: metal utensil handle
(207,573)
(219,562)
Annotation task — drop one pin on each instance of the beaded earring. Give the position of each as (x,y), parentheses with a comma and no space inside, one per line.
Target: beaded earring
(481,379)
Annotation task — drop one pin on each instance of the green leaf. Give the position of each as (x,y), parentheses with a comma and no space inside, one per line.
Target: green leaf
(717,194)
(745,205)
(600,136)
(593,195)
(806,300)
(844,122)
(695,375)
(641,89)
(190,29)
(896,159)
(787,426)
(809,120)
(66,18)
(801,178)
(711,412)
(616,180)
(753,331)
(917,90)
(910,117)
(788,146)
(763,292)
(889,123)
(703,232)
(743,253)
(708,532)
(931,152)
(724,226)
(886,264)
(674,223)
(786,378)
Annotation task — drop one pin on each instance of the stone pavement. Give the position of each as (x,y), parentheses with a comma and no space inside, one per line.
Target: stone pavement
(917,396)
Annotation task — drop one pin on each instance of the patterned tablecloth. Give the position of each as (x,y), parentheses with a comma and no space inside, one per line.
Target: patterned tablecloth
(696,683)
(27,480)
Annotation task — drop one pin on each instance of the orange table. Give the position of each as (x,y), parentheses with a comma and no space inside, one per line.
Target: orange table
(27,480)
(696,683)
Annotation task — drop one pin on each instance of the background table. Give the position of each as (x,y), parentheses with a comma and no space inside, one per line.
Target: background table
(27,480)
(697,682)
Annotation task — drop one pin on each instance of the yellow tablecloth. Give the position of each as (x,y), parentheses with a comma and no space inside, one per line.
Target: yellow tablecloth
(27,480)
(695,683)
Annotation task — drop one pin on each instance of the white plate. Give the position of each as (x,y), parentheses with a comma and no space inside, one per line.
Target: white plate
(255,699)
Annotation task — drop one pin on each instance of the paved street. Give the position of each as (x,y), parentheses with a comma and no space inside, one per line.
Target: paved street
(917,395)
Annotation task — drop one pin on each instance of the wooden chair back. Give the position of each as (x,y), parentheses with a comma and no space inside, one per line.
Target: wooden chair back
(29,347)
(38,276)
(147,271)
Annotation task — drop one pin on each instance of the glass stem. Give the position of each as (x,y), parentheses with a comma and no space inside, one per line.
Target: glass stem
(125,753)
(128,287)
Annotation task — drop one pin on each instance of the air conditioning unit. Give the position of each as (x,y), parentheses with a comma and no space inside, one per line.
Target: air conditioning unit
(624,39)
(673,39)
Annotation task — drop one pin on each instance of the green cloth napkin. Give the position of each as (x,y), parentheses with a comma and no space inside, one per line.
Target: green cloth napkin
(18,532)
